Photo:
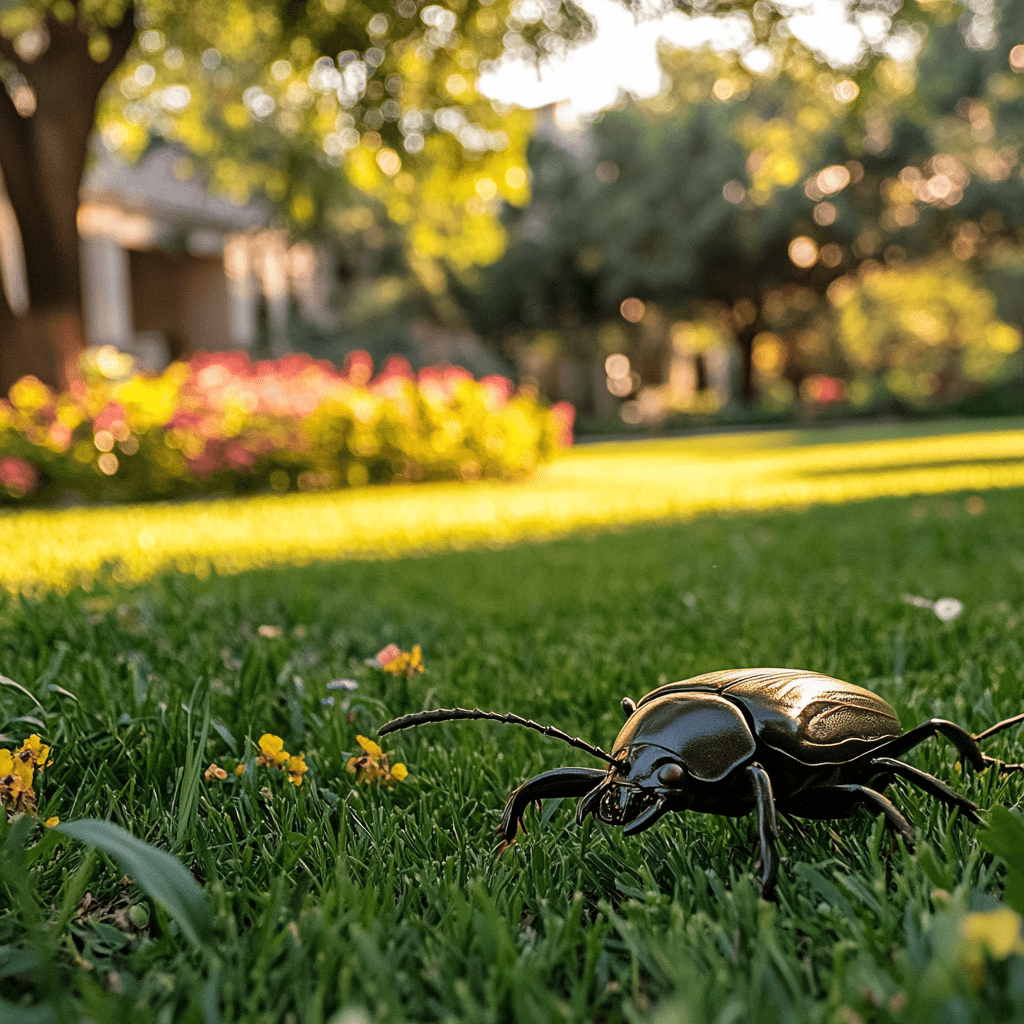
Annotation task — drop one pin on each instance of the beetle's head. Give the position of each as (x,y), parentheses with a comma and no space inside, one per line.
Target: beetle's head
(637,796)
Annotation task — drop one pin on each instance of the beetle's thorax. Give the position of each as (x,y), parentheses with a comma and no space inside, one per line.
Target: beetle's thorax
(705,733)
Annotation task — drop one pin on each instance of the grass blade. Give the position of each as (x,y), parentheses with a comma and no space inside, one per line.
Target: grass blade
(162,877)
(188,790)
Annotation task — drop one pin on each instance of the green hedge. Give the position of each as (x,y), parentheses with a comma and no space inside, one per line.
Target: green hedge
(223,424)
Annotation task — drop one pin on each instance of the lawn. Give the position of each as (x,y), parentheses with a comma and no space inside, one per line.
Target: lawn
(335,901)
(591,487)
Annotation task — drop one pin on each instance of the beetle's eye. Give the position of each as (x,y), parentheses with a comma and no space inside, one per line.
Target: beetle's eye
(671,774)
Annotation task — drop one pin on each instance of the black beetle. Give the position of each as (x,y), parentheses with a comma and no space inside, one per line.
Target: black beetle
(764,739)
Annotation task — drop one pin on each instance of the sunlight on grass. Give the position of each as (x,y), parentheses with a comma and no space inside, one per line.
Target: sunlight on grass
(591,487)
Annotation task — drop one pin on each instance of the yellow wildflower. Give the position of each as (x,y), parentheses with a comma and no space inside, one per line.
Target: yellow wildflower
(272,753)
(215,771)
(34,751)
(296,768)
(240,768)
(369,746)
(50,822)
(374,767)
(16,783)
(996,933)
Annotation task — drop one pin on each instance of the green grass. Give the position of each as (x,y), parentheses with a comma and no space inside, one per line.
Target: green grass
(589,487)
(345,903)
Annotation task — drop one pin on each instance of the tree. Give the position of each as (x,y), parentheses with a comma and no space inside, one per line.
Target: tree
(247,84)
(755,193)
(55,71)
(922,333)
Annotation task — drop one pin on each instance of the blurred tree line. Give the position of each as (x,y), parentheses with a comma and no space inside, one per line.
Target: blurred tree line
(765,204)
(845,233)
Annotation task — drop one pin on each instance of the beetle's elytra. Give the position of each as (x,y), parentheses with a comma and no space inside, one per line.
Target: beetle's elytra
(763,740)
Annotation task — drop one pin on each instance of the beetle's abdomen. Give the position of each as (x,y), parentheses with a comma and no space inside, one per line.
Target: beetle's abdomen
(813,718)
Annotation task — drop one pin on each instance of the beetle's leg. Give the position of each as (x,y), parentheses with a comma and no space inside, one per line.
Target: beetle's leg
(1000,726)
(991,731)
(964,742)
(865,795)
(560,782)
(767,828)
(931,785)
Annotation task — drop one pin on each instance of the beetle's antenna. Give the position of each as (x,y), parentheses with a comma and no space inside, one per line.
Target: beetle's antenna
(457,714)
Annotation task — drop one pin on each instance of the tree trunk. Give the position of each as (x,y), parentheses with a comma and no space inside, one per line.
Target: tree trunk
(43,150)
(745,340)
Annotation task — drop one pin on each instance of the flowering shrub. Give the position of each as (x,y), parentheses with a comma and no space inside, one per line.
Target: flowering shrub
(221,423)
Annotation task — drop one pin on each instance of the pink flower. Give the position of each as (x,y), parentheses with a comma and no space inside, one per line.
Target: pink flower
(111,416)
(386,655)
(60,435)
(238,457)
(17,476)
(497,391)
(359,368)
(233,364)
(454,375)
(819,388)
(564,415)
(397,366)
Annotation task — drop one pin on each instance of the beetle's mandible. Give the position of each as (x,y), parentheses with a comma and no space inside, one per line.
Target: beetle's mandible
(764,740)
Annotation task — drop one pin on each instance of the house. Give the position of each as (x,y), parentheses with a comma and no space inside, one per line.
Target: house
(169,269)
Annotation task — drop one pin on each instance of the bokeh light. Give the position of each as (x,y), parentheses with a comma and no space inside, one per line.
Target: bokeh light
(803,251)
(632,310)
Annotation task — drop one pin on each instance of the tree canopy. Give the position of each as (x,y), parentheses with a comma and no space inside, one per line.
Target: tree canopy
(294,99)
(751,194)
(304,100)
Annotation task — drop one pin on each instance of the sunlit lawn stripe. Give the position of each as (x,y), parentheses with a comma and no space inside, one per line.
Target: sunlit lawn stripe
(592,487)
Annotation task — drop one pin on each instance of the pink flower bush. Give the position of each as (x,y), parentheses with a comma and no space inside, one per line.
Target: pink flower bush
(223,423)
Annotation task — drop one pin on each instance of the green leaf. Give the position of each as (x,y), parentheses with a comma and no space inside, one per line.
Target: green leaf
(1004,836)
(12,1014)
(1013,894)
(5,681)
(17,961)
(188,788)
(938,873)
(162,877)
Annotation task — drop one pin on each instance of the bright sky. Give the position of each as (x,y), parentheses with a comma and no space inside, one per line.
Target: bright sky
(623,55)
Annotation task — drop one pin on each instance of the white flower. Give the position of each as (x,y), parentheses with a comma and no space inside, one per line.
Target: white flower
(342,684)
(947,608)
